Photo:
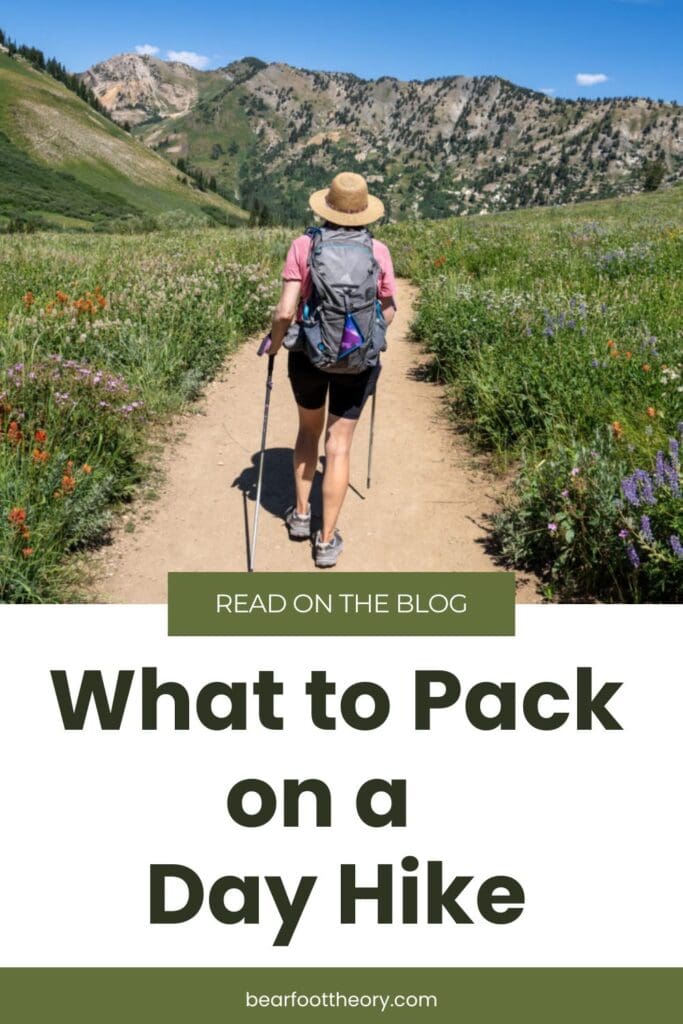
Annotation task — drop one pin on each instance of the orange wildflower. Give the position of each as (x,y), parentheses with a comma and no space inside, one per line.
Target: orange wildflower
(14,432)
(627,354)
(17,516)
(27,552)
(651,411)
(617,429)
(646,367)
(68,484)
(62,297)
(439,261)
(86,468)
(28,299)
(611,344)
(40,436)
(25,532)
(39,456)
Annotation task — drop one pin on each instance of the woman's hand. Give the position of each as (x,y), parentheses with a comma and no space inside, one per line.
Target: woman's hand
(285,312)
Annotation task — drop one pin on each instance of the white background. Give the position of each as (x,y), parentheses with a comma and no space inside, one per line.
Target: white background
(588,822)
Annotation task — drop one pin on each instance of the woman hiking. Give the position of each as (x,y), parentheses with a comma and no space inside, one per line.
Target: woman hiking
(339,288)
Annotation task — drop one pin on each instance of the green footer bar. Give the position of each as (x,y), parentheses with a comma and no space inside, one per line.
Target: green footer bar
(432,995)
(341,604)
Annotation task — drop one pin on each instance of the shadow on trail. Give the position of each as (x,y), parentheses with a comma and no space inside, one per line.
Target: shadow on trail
(277,488)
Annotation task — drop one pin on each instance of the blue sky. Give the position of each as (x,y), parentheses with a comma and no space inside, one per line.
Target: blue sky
(620,47)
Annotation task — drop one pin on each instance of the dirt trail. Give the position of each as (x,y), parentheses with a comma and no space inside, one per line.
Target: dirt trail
(425,510)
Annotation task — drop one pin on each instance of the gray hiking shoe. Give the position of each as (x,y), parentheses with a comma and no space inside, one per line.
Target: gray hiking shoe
(326,555)
(299,525)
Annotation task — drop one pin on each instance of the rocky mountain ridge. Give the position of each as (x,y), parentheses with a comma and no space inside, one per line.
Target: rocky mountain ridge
(270,133)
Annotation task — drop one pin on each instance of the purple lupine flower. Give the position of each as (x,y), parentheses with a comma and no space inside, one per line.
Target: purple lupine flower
(595,363)
(660,474)
(672,479)
(646,529)
(630,490)
(623,534)
(646,489)
(633,556)
(674,451)
(676,546)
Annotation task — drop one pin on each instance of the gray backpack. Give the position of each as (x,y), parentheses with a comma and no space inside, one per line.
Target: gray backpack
(342,329)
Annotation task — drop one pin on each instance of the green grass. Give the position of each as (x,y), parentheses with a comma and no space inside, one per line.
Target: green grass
(59,157)
(100,338)
(559,335)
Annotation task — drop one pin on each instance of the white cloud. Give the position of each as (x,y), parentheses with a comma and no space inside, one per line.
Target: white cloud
(147,50)
(195,60)
(586,79)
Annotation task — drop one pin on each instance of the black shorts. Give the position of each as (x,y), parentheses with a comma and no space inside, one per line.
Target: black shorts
(348,392)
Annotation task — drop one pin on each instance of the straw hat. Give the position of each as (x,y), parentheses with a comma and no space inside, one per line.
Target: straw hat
(347,201)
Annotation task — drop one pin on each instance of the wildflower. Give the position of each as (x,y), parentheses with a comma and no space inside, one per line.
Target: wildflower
(565,493)
(86,468)
(68,483)
(630,490)
(40,456)
(623,534)
(40,436)
(552,527)
(617,428)
(62,298)
(676,545)
(645,481)
(651,411)
(576,470)
(674,451)
(14,434)
(27,552)
(595,363)
(646,529)
(646,367)
(17,516)
(633,556)
(627,354)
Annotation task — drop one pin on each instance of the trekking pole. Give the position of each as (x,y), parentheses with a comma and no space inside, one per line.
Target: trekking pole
(372,433)
(263,348)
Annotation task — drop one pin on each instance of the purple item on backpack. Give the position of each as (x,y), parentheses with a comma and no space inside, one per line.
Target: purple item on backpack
(351,338)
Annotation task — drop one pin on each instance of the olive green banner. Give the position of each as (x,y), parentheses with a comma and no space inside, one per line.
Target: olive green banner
(341,604)
(432,995)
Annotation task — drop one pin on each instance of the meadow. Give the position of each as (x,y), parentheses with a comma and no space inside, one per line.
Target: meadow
(102,338)
(559,333)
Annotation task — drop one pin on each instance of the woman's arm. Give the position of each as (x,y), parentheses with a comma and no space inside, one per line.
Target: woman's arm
(285,311)
(388,308)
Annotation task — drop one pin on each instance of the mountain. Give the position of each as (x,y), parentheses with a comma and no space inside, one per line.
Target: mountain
(64,164)
(270,133)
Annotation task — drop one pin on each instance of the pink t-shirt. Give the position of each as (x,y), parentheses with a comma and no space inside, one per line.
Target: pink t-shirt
(296,269)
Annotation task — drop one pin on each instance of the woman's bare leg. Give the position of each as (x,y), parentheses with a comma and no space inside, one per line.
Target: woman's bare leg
(336,479)
(311,423)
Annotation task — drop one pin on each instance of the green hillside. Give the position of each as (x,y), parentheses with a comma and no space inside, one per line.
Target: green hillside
(63,164)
